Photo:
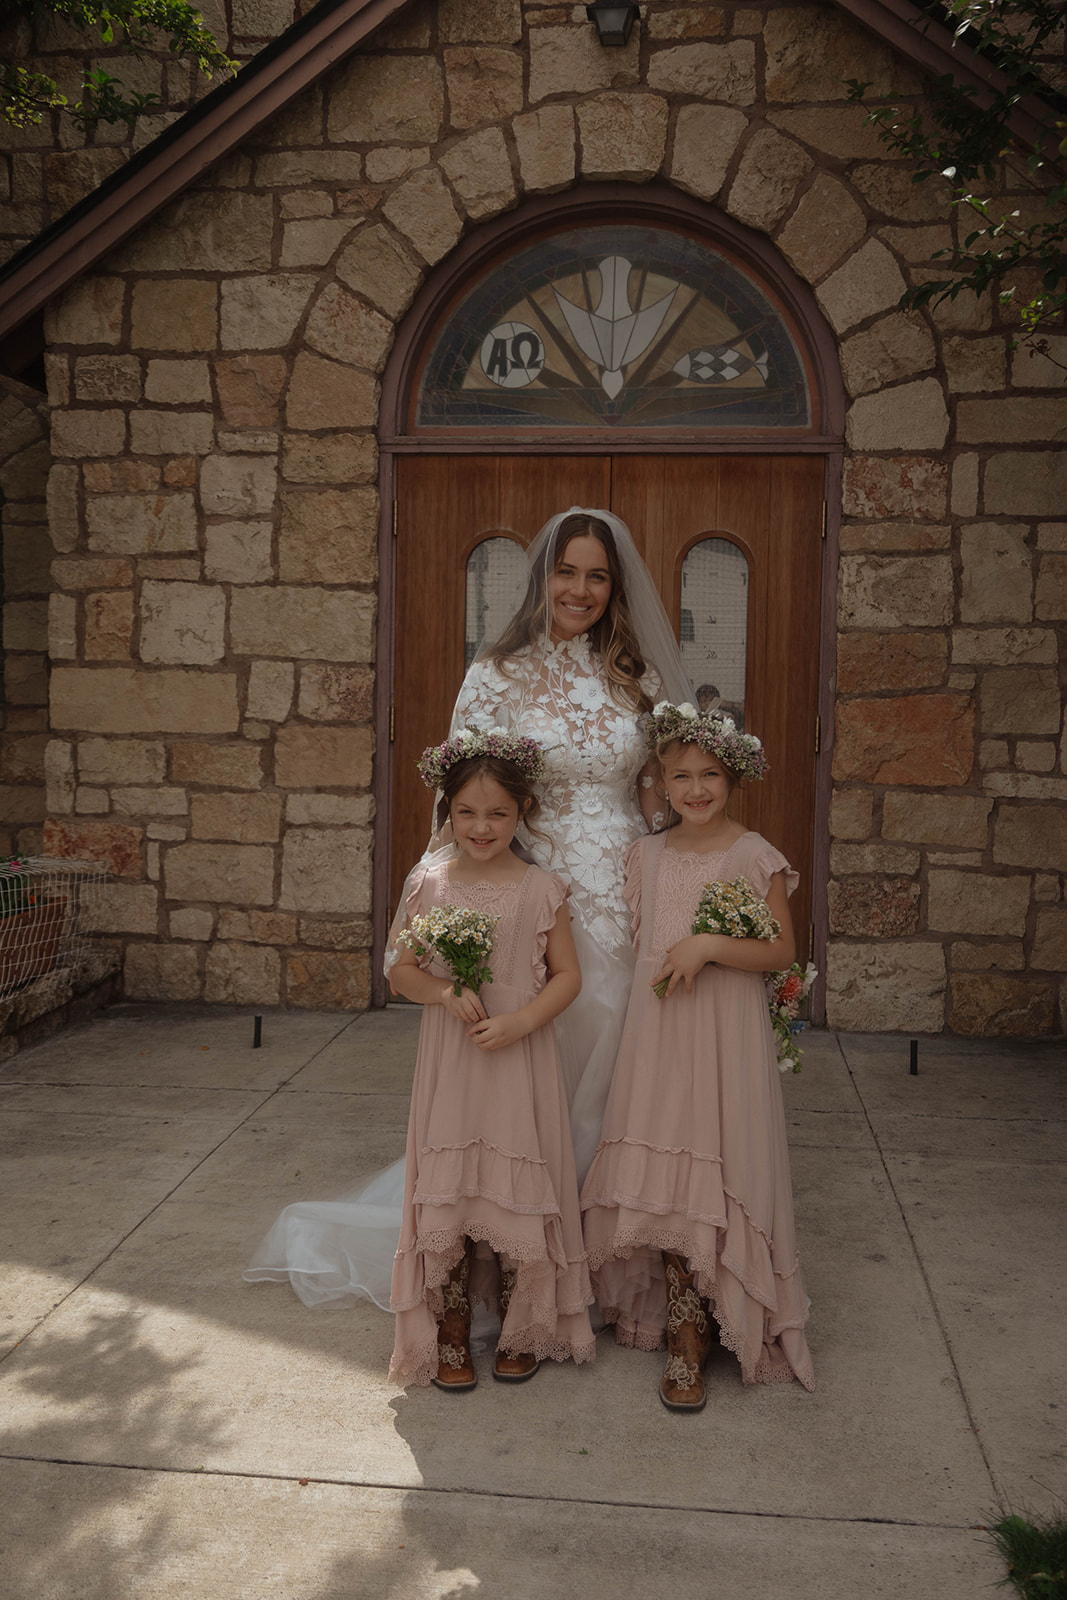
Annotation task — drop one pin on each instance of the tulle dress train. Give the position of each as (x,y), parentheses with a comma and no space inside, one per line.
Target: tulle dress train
(693,1156)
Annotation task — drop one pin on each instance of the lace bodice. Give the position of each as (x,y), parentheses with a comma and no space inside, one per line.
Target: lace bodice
(594,751)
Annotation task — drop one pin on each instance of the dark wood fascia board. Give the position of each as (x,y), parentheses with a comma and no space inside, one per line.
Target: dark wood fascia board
(184,153)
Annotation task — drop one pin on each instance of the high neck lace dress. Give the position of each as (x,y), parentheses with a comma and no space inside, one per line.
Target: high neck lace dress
(594,752)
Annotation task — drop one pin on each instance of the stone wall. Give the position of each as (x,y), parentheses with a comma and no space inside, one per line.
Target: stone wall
(215,389)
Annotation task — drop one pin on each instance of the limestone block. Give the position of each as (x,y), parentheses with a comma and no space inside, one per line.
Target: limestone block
(228,766)
(257,927)
(64,519)
(812,50)
(62,627)
(886,537)
(375,99)
(175,314)
(324,394)
(825,225)
(1031,836)
(871,663)
(304,168)
(205,231)
(313,241)
(140,700)
(309,624)
(395,161)
(107,378)
(166,830)
(851,812)
(965,486)
(323,758)
(1051,595)
(126,908)
(987,1005)
(479,170)
(977,902)
(328,980)
(88,433)
(832,130)
(246,818)
(121,477)
(720,72)
(171,433)
(121,761)
(896,346)
(895,591)
(108,626)
(1025,785)
(242,975)
(116,845)
(329,536)
(872,856)
(771,168)
(1046,887)
(481,22)
(161,972)
(344,328)
(705,139)
(888,189)
(1033,369)
(706,22)
(911,416)
(59,775)
(914,739)
(22,803)
(191,922)
(261,313)
(23,756)
(330,458)
(329,810)
(250,388)
(869,282)
(974,364)
(164,801)
(544,140)
(238,552)
(987,956)
(1020,421)
(26,681)
(422,209)
(1020,700)
(336,694)
(1035,755)
(183,623)
(238,485)
(1050,940)
(622,135)
(569,60)
(956,820)
(898,486)
(89,313)
(326,869)
(1026,483)
(1004,646)
(241,874)
(307,203)
(25,476)
(874,908)
(1050,535)
(377,266)
(918,244)
(27,560)
(333,933)
(270,690)
(885,987)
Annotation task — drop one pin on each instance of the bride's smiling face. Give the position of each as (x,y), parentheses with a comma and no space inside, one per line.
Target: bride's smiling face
(579,588)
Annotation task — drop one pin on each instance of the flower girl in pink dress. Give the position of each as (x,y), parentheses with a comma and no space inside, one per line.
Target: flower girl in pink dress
(688,1206)
(490,1206)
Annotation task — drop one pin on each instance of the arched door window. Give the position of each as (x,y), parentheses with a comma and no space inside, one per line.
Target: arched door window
(713,625)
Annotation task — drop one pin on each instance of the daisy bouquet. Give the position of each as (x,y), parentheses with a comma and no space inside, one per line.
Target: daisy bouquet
(785,991)
(461,937)
(734,909)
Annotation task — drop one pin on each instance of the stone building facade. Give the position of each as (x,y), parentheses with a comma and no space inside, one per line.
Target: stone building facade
(209,711)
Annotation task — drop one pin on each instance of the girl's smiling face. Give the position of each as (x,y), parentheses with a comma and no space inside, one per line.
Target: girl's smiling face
(579,588)
(484,818)
(698,785)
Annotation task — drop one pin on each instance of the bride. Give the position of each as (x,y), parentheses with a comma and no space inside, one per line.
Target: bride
(587,653)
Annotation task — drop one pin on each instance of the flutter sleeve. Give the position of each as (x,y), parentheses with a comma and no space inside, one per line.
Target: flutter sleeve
(633,869)
(413,901)
(557,893)
(766,861)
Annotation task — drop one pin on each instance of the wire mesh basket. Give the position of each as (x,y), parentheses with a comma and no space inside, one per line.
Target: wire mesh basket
(48,909)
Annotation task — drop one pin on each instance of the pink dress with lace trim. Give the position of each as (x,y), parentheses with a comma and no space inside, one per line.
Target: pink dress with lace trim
(693,1155)
(489,1152)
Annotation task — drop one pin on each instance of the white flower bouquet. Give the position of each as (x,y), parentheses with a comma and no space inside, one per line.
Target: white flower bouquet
(461,937)
(734,909)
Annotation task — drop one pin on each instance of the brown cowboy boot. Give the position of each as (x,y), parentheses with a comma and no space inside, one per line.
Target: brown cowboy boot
(688,1339)
(509,1368)
(455,1367)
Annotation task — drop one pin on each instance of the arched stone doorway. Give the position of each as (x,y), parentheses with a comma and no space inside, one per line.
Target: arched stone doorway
(639,352)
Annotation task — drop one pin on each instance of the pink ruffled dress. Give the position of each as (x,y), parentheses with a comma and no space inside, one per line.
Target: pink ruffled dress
(693,1156)
(489,1152)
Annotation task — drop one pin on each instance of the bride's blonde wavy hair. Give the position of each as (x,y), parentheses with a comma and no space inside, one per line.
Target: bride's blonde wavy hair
(612,636)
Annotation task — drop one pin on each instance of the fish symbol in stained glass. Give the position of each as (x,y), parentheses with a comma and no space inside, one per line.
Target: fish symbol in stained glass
(614,334)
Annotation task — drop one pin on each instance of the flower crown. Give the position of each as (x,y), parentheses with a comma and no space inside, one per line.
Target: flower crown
(522,752)
(714,732)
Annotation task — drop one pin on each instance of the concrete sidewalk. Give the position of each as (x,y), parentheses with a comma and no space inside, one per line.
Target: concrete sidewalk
(168,1430)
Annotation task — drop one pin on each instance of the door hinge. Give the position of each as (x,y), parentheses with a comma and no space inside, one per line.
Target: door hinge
(818,734)
(823,520)
(394,520)
(392,723)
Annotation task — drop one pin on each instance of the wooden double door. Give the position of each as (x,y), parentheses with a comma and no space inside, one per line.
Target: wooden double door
(764,511)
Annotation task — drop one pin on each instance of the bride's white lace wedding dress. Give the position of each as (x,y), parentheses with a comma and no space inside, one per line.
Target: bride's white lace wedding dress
(335,1251)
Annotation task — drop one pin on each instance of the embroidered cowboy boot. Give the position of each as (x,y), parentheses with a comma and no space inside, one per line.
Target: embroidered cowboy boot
(455,1367)
(509,1368)
(688,1339)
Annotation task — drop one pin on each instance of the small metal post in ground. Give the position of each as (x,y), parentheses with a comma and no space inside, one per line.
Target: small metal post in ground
(257,1033)
(914,1068)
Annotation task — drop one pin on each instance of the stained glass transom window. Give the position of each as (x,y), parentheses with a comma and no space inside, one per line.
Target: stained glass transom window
(714,624)
(497,574)
(625,327)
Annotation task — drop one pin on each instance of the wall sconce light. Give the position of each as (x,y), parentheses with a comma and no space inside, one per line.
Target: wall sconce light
(613,22)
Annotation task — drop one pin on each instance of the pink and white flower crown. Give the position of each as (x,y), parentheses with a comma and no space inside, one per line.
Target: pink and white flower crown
(523,752)
(714,732)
